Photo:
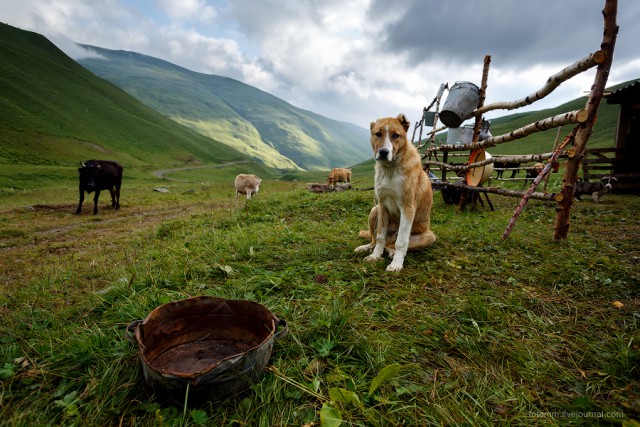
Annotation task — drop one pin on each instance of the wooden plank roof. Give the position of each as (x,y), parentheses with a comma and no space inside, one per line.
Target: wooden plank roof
(624,95)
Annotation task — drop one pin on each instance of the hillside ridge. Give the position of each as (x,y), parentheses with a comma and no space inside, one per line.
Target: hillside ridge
(244,117)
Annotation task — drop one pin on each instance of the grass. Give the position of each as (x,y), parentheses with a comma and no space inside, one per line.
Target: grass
(475,331)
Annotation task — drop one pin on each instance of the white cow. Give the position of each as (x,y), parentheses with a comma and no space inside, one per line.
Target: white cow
(247,184)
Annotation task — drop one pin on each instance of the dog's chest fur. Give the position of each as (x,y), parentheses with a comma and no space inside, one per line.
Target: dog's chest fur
(389,188)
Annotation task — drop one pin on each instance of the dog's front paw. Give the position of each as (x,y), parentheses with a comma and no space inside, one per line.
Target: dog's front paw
(394,267)
(372,258)
(363,248)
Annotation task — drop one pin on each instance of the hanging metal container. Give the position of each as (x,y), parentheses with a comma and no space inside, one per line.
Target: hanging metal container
(462,100)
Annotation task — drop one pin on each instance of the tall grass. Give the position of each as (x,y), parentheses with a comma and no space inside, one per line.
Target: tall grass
(474,331)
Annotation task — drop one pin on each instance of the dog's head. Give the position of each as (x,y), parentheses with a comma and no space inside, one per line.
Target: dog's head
(608,181)
(388,137)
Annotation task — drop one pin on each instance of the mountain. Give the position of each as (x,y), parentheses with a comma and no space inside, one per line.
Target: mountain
(244,117)
(55,113)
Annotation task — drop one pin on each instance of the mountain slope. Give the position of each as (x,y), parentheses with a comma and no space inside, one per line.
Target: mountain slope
(54,112)
(246,118)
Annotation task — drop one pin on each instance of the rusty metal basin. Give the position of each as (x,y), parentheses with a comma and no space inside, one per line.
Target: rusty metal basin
(216,347)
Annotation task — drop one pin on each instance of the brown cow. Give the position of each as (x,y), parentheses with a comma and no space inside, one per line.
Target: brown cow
(247,184)
(339,175)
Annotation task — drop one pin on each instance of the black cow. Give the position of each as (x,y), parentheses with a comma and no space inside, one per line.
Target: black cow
(97,175)
(506,165)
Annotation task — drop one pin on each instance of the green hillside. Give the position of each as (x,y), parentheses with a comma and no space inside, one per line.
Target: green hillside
(54,114)
(248,119)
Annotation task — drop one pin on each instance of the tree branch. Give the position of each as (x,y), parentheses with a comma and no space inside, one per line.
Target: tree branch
(552,83)
(578,116)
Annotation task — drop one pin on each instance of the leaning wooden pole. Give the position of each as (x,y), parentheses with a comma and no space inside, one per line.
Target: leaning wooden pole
(563,209)
(551,164)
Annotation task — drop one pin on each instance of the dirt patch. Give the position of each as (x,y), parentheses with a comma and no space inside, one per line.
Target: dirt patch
(50,235)
(97,147)
(53,208)
(163,172)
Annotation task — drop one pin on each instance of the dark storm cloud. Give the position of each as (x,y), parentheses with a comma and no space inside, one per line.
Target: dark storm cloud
(513,32)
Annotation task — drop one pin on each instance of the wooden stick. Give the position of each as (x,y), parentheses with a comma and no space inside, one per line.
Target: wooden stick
(553,82)
(563,209)
(521,159)
(482,96)
(578,116)
(478,122)
(496,190)
(443,86)
(527,195)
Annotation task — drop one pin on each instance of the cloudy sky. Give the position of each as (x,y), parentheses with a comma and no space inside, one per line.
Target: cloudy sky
(353,60)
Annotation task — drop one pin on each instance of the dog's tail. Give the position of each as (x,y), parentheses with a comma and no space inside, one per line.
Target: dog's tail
(422,240)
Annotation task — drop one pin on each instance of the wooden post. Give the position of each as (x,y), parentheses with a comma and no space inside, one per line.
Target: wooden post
(563,209)
(478,122)
(482,96)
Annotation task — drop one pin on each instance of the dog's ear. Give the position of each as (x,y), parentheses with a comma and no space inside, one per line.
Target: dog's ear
(372,125)
(404,122)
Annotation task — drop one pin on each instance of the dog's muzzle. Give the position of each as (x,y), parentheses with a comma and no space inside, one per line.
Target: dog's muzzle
(383,154)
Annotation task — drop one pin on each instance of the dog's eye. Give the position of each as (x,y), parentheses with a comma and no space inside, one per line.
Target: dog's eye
(395,136)
(378,134)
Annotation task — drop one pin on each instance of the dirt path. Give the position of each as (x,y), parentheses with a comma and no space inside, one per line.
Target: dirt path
(162,172)
(43,238)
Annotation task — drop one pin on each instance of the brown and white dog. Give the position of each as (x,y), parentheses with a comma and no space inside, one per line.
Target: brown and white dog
(596,189)
(400,221)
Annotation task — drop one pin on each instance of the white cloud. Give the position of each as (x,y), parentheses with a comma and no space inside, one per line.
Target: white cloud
(185,10)
(355,60)
(71,48)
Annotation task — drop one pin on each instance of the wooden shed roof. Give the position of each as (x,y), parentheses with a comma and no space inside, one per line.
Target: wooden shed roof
(630,93)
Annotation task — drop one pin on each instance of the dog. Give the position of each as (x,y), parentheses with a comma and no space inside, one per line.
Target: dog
(400,220)
(596,189)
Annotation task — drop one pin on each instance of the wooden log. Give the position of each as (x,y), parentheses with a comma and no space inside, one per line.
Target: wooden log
(325,188)
(563,209)
(525,199)
(495,190)
(552,83)
(578,116)
(482,95)
(477,125)
(463,168)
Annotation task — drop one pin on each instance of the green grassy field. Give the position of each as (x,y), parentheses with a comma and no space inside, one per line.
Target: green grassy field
(474,331)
